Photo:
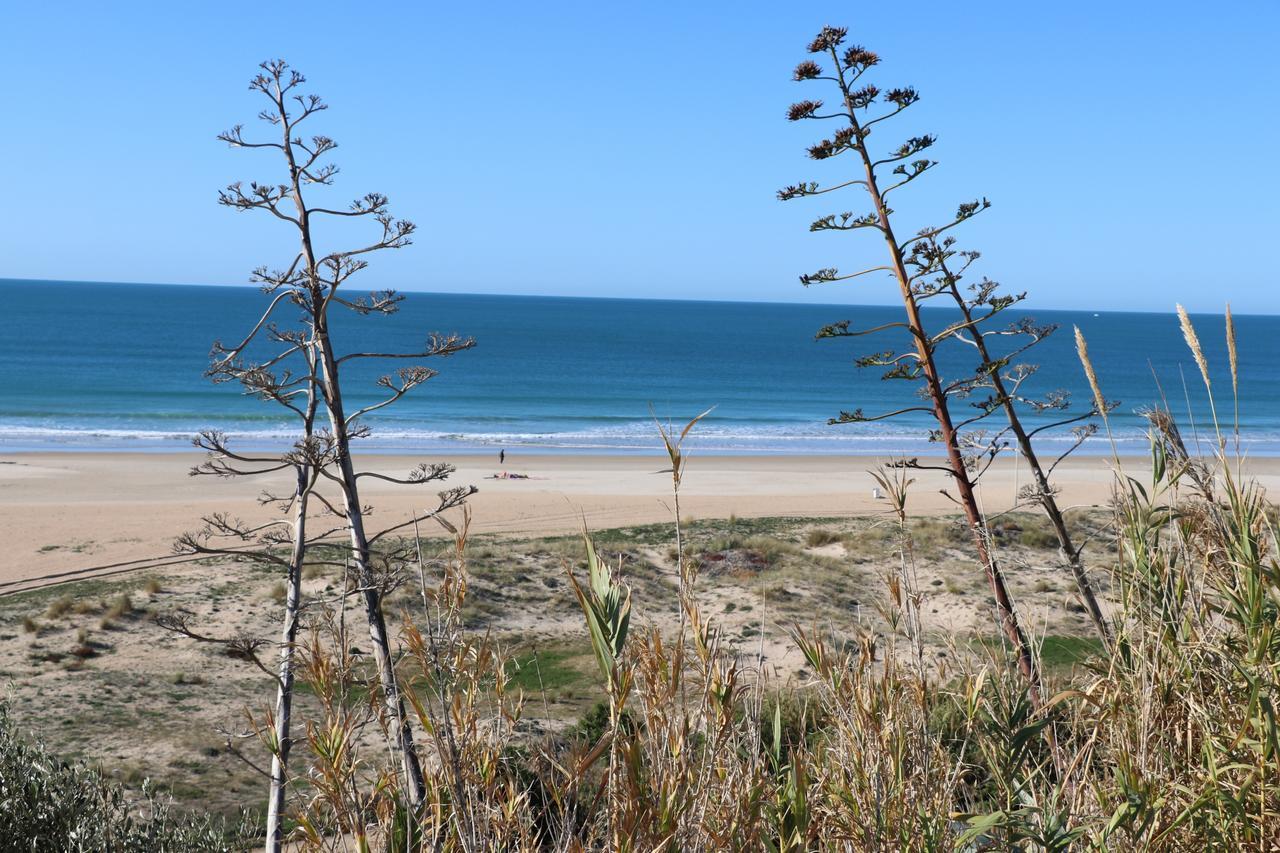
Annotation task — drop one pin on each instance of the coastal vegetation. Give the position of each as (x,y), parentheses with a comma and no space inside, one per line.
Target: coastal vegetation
(805,721)
(52,805)
(927,266)
(886,683)
(298,367)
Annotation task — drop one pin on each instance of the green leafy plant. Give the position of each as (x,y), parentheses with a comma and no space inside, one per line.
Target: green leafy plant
(49,804)
(606,605)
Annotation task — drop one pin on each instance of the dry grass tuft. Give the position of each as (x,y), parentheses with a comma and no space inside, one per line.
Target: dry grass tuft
(59,607)
(820,537)
(122,606)
(311,571)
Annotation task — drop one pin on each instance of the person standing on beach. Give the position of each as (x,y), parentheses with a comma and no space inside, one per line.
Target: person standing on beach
(502,456)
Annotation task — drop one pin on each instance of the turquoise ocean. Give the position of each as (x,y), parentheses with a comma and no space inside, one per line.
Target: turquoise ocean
(90,366)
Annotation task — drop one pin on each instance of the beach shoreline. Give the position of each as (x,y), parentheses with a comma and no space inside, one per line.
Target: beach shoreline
(84,512)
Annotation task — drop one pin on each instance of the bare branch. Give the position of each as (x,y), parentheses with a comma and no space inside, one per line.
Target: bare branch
(856,416)
(437,345)
(449,499)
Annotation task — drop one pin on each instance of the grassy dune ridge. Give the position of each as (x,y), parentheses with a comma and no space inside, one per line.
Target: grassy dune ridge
(88,668)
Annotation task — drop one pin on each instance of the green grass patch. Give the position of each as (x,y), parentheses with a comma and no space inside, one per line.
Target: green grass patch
(1063,651)
(38,599)
(552,669)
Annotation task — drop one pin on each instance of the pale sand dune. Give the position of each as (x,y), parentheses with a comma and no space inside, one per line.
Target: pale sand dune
(74,511)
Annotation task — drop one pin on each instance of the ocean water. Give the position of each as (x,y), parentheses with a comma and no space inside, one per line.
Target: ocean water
(86,366)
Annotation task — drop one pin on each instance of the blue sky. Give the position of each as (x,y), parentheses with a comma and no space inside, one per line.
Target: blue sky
(606,149)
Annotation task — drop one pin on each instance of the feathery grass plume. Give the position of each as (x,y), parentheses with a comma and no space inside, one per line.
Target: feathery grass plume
(1193,341)
(1082,350)
(1232,354)
(1234,360)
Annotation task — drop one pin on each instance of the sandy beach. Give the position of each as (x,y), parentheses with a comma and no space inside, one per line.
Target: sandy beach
(74,514)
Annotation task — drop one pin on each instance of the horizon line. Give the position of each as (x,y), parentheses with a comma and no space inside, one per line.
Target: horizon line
(247,286)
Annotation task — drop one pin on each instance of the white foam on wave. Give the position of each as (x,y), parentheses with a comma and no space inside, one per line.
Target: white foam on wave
(639,436)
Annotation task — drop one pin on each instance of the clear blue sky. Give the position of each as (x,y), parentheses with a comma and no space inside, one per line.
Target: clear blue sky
(633,150)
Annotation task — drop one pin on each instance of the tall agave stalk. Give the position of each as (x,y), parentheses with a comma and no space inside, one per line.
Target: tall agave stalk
(315,282)
(229,537)
(281,743)
(920,363)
